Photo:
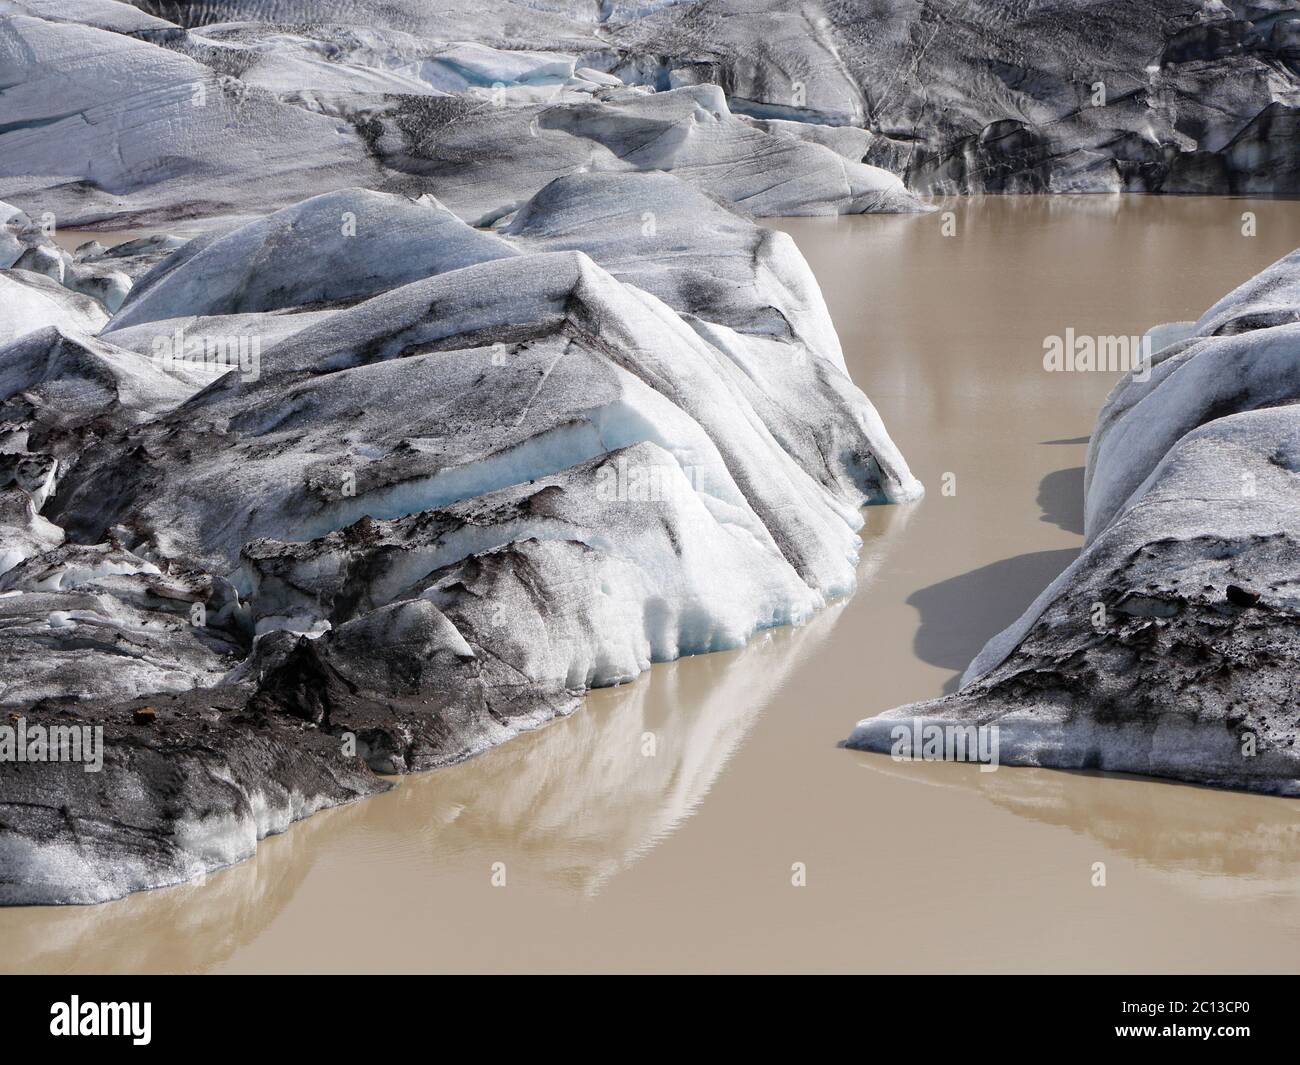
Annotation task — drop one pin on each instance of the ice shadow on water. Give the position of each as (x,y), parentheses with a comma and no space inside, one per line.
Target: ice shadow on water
(1060,498)
(959,615)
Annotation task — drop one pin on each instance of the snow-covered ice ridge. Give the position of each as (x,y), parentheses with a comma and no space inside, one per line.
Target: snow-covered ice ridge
(1169,647)
(469,475)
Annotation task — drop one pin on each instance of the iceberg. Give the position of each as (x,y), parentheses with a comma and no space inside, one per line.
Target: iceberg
(1168,647)
(474,475)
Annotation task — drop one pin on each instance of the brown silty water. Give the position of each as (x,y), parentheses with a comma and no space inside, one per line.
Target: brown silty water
(684,859)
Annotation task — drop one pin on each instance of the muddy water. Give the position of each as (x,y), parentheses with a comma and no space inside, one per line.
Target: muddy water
(72,239)
(615,860)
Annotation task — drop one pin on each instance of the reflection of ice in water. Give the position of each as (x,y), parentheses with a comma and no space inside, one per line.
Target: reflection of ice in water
(1209,843)
(174,929)
(580,798)
(573,803)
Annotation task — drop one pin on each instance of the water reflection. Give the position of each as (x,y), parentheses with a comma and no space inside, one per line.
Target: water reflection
(1209,842)
(174,929)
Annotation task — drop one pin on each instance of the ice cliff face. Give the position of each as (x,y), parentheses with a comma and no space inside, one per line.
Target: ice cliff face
(1169,647)
(356,488)
(997,96)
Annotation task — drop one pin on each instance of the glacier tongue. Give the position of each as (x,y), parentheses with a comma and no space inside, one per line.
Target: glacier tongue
(985,96)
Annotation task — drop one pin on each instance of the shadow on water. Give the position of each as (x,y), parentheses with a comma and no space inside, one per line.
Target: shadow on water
(1060,498)
(959,615)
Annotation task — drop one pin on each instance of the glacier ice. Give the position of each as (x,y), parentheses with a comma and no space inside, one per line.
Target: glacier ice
(334,247)
(30,302)
(1168,647)
(152,125)
(476,474)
